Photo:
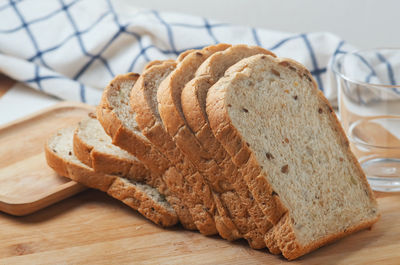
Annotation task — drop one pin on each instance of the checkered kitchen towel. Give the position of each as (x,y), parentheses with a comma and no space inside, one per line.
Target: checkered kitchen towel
(71,49)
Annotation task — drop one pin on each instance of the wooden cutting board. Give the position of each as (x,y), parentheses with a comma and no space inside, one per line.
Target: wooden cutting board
(92,228)
(27,184)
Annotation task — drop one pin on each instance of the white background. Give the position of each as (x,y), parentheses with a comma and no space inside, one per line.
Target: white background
(363,23)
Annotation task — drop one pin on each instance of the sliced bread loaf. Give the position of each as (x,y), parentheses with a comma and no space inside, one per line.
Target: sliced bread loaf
(272,119)
(144,103)
(115,115)
(193,194)
(141,197)
(93,147)
(194,108)
(186,186)
(168,97)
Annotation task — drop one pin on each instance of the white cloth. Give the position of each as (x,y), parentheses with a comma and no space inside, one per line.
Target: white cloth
(72,49)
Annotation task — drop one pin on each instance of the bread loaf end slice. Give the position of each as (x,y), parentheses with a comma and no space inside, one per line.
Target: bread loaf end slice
(272,119)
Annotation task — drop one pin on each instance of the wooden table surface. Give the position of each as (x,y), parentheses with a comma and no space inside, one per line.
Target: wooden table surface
(92,228)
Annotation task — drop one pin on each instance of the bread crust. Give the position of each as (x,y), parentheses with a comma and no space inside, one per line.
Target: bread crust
(291,248)
(152,63)
(223,128)
(113,185)
(143,150)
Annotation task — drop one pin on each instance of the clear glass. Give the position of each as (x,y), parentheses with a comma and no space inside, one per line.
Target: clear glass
(369,106)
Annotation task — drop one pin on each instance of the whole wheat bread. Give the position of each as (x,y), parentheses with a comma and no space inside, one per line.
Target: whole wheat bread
(194,108)
(188,187)
(192,193)
(141,197)
(144,103)
(170,109)
(275,123)
(115,115)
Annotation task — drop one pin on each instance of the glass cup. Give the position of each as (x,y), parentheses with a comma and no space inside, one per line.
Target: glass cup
(369,105)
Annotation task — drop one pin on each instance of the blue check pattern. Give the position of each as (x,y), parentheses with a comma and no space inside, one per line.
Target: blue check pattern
(72,49)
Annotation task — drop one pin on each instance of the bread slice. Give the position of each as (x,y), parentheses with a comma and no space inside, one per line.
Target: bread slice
(141,197)
(194,108)
(144,103)
(272,119)
(114,109)
(93,147)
